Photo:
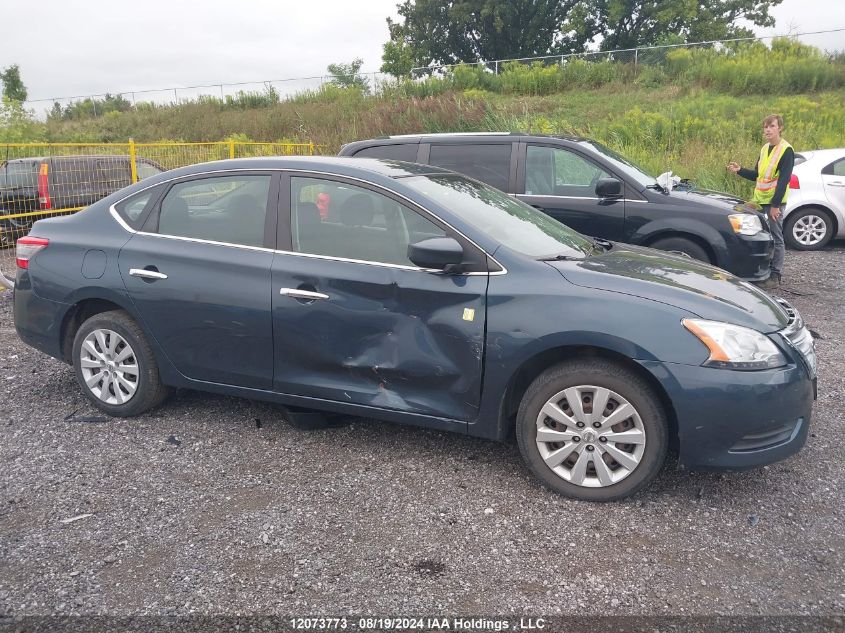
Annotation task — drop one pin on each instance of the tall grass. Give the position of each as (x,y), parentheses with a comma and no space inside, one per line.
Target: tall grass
(691,111)
(787,67)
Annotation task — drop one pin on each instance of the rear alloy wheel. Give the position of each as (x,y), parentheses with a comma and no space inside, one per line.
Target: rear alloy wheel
(115,365)
(682,245)
(808,229)
(592,430)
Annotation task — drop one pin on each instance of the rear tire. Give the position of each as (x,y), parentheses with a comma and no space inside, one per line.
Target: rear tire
(808,229)
(603,456)
(683,245)
(115,365)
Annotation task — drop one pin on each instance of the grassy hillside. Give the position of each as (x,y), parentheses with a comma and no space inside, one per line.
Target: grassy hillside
(691,111)
(695,133)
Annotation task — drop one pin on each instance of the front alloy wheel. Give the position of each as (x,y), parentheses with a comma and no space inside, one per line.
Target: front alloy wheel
(592,429)
(590,436)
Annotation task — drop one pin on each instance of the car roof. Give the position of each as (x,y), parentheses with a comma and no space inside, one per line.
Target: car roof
(823,153)
(68,156)
(341,166)
(464,136)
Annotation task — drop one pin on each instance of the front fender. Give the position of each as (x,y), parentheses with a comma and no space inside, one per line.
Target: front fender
(681,227)
(530,323)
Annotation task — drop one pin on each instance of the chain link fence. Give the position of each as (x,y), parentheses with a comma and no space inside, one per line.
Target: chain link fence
(40,180)
(264,92)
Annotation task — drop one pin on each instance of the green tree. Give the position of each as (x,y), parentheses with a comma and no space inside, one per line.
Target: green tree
(453,31)
(17,124)
(13,88)
(633,23)
(348,75)
(438,32)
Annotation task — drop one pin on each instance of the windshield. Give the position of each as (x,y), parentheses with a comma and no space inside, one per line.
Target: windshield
(16,175)
(514,224)
(631,169)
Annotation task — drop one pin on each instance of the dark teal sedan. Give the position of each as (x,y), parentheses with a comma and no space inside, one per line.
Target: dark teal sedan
(411,294)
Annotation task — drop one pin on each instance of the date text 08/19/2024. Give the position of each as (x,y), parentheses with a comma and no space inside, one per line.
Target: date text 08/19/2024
(415,623)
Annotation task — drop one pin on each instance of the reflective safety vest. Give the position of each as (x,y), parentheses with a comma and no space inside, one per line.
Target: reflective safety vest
(767,173)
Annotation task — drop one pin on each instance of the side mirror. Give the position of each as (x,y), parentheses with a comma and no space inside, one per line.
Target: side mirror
(436,252)
(608,188)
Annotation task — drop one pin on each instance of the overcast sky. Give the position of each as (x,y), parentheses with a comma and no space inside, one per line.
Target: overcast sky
(80,47)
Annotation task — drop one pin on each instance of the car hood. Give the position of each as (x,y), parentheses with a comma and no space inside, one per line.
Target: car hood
(691,195)
(703,290)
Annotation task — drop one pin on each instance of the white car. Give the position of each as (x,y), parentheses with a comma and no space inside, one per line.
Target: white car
(815,209)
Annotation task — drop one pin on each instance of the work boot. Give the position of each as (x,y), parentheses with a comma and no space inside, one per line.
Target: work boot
(772,282)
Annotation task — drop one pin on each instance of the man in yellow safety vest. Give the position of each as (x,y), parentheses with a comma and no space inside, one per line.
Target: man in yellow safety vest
(772,174)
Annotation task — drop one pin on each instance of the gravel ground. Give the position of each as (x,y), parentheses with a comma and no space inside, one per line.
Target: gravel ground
(214,504)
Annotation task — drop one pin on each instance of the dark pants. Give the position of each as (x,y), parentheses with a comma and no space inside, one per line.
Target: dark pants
(776,228)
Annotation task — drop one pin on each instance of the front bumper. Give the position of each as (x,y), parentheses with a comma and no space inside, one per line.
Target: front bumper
(738,419)
(751,255)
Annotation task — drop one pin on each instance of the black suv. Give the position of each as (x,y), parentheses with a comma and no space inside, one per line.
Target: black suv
(60,182)
(597,192)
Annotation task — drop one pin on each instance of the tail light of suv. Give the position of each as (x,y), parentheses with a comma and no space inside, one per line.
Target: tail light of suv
(793,182)
(27,248)
(44,187)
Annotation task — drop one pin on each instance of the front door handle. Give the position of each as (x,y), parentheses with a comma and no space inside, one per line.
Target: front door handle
(143,273)
(296,293)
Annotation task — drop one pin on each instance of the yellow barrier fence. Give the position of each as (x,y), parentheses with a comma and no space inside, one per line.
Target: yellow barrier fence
(39,180)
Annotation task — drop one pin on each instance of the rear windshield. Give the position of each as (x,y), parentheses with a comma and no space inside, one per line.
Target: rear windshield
(18,174)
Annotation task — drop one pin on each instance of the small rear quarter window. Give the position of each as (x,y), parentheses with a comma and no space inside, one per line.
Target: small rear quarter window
(135,209)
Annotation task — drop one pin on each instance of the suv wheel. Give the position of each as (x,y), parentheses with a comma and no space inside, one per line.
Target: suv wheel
(682,245)
(808,229)
(592,430)
(115,365)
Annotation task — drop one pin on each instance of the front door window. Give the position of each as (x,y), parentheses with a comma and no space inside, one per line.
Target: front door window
(336,219)
(551,171)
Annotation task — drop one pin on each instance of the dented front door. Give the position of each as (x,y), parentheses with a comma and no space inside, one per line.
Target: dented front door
(379,335)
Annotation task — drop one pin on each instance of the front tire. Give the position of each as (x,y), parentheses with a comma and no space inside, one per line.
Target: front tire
(585,453)
(683,245)
(808,229)
(115,365)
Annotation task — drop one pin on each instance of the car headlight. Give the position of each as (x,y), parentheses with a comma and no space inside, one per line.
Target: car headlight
(746,223)
(734,346)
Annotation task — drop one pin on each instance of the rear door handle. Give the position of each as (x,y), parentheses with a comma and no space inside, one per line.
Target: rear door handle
(302,294)
(143,273)
(837,183)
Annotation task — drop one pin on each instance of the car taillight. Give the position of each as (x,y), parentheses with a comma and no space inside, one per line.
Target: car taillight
(793,182)
(44,187)
(27,248)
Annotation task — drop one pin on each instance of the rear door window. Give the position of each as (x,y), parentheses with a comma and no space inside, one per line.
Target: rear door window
(490,163)
(837,168)
(19,174)
(145,170)
(406,152)
(227,209)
